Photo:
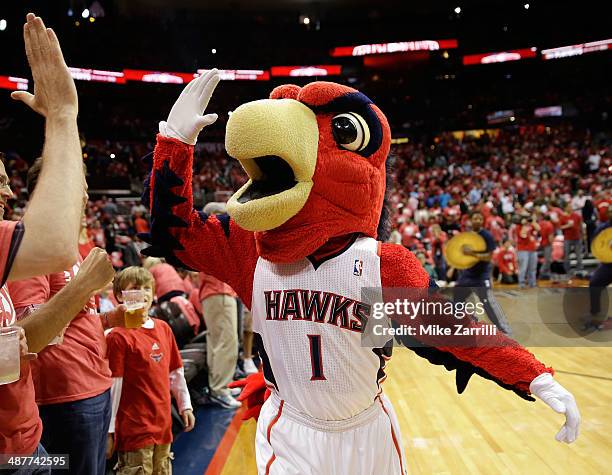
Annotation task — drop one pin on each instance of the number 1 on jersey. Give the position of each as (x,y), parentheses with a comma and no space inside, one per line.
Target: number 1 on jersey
(316,358)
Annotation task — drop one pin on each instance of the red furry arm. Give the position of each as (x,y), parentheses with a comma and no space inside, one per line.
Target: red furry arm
(494,357)
(187,238)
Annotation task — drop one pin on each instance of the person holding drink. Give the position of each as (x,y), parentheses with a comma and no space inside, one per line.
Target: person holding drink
(146,369)
(71,375)
(20,423)
(55,214)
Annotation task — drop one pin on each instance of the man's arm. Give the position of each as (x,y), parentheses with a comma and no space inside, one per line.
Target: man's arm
(45,323)
(54,211)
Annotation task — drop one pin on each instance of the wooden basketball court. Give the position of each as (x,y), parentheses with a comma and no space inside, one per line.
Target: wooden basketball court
(486,430)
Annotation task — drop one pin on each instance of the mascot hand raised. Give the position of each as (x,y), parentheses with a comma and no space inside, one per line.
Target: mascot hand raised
(187,119)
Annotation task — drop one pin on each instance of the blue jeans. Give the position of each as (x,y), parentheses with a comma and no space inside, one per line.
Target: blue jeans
(79,429)
(39,452)
(545,269)
(576,246)
(528,264)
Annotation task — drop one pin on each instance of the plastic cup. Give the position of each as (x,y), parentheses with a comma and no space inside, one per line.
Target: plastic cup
(133,300)
(9,355)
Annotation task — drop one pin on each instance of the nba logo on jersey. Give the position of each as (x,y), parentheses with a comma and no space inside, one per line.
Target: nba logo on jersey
(358,267)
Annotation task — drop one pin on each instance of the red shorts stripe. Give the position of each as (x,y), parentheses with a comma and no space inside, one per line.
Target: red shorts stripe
(275,420)
(268,432)
(270,464)
(397,448)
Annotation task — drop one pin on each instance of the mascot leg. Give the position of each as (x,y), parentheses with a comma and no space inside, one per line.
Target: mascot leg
(288,442)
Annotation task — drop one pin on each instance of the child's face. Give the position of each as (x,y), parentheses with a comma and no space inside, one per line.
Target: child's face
(148,293)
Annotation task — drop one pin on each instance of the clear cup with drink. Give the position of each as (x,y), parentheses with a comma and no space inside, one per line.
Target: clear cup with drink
(134,301)
(9,354)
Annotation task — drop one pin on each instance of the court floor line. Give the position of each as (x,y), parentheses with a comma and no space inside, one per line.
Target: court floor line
(217,463)
(583,374)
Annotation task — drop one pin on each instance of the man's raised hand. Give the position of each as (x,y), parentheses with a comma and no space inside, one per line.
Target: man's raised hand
(54,90)
(96,270)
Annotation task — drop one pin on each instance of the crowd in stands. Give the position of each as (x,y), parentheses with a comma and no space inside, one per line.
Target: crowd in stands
(523,175)
(535,188)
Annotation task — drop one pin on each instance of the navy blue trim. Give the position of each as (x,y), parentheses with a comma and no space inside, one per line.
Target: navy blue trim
(162,217)
(258,344)
(16,239)
(316,263)
(224,219)
(203,216)
(145,198)
(383,353)
(358,103)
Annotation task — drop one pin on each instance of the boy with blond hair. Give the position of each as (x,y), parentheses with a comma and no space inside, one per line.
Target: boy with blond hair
(146,368)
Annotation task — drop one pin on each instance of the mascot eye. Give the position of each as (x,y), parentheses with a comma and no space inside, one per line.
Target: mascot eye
(350,131)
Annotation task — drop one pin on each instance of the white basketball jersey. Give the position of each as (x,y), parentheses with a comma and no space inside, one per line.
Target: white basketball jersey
(310,319)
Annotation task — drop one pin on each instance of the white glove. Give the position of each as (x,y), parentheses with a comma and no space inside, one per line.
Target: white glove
(561,401)
(186,119)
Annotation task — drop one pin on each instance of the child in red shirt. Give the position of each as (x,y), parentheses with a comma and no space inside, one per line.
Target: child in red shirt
(146,368)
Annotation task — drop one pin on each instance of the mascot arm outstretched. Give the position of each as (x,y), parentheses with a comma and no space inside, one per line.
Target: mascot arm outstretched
(495,357)
(179,233)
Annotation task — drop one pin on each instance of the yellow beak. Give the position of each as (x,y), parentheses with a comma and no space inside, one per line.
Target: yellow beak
(276,142)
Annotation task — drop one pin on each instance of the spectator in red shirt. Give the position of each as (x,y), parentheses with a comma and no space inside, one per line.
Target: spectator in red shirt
(141,225)
(46,240)
(571,225)
(527,245)
(602,204)
(506,261)
(495,225)
(437,239)
(547,233)
(556,214)
(170,287)
(71,375)
(147,369)
(410,234)
(20,423)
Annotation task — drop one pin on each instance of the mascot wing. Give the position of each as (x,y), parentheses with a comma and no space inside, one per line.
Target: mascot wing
(495,357)
(188,238)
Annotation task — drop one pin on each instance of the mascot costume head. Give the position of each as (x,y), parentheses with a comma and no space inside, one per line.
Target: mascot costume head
(315,157)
